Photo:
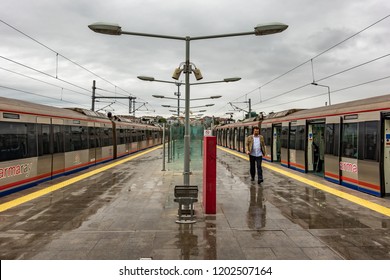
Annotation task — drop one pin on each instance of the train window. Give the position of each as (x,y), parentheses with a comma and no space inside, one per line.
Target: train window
(293,130)
(266,132)
(349,140)
(332,139)
(31,140)
(17,140)
(241,135)
(98,133)
(121,136)
(368,141)
(43,139)
(300,138)
(107,137)
(92,137)
(284,137)
(110,137)
(134,136)
(128,136)
(67,139)
(78,138)
(58,139)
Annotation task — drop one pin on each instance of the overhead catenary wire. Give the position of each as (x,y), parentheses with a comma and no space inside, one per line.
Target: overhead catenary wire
(43,73)
(41,81)
(64,57)
(40,95)
(326,93)
(311,59)
(324,78)
(51,84)
(57,54)
(56,74)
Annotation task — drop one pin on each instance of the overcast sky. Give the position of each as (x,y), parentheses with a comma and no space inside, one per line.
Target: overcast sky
(276,70)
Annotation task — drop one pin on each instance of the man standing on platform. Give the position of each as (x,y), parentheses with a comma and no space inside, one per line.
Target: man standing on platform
(255,148)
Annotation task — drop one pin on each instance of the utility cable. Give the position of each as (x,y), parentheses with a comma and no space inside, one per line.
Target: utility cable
(58,54)
(40,95)
(316,56)
(326,93)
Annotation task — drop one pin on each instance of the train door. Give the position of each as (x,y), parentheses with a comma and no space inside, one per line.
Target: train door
(332,157)
(316,147)
(297,139)
(92,142)
(266,131)
(227,137)
(284,143)
(310,149)
(247,131)
(276,133)
(239,140)
(45,154)
(386,157)
(98,144)
(58,147)
(235,138)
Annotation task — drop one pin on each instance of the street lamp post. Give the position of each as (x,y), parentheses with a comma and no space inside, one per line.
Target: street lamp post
(315,84)
(259,30)
(178,99)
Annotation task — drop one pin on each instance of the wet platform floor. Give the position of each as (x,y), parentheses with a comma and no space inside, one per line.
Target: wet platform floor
(128,212)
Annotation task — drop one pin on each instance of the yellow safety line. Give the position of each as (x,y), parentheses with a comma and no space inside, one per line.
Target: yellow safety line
(360,201)
(34,195)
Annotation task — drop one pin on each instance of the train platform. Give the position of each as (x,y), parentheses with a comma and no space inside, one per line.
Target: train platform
(125,210)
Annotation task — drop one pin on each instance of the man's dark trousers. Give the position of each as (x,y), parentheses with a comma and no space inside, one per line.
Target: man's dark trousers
(256,160)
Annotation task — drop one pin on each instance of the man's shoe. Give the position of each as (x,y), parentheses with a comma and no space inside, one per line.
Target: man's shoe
(252,179)
(260,181)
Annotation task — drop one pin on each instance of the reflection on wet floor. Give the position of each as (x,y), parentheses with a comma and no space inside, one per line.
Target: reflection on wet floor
(256,215)
(187,242)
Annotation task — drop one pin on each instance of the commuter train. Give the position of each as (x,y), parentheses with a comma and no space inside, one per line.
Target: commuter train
(347,143)
(39,143)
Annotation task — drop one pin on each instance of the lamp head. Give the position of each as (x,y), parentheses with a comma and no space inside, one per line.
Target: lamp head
(146,78)
(270,28)
(314,83)
(106,28)
(198,74)
(176,73)
(235,79)
(158,96)
(215,96)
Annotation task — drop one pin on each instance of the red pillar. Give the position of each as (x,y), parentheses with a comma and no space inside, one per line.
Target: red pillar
(210,174)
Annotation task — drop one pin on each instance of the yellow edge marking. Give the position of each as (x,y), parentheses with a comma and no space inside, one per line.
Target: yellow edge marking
(360,201)
(34,195)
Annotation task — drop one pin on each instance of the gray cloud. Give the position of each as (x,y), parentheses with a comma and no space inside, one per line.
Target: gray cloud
(314,26)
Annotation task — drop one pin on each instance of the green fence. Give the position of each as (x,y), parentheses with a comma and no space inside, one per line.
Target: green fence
(175,154)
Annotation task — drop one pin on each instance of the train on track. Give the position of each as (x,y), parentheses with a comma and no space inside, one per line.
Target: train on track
(346,143)
(39,143)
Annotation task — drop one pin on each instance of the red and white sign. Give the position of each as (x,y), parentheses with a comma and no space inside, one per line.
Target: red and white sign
(207,132)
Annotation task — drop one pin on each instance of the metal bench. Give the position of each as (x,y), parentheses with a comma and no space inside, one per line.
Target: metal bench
(186,196)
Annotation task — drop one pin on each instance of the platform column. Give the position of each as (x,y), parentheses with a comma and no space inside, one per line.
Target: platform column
(210,174)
